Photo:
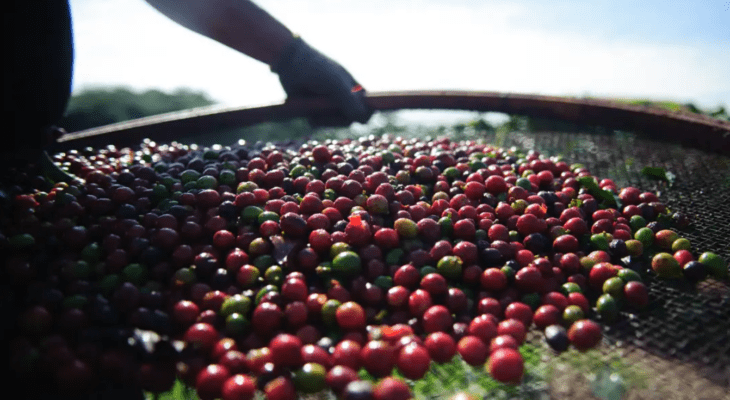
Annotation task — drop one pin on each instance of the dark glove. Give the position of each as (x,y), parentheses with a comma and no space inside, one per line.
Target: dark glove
(305,72)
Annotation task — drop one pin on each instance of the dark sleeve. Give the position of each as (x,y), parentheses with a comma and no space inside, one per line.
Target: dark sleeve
(38,58)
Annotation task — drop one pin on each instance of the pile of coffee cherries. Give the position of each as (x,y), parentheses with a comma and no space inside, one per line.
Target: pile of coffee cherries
(291,270)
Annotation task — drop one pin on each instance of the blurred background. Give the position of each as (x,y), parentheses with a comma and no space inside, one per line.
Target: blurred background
(656,50)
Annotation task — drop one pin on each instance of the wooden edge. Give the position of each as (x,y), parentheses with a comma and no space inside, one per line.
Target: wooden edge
(689,129)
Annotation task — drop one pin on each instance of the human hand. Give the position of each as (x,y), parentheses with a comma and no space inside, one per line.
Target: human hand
(305,72)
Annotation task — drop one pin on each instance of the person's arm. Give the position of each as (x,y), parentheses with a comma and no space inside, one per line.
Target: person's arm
(302,70)
(238,24)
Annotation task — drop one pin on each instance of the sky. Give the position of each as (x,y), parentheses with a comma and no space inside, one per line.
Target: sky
(661,50)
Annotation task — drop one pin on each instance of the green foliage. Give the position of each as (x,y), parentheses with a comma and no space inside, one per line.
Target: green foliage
(658,173)
(605,197)
(102,106)
(719,113)
(178,392)
(445,380)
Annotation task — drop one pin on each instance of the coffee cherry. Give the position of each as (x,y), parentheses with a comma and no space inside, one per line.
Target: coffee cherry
(473,350)
(584,334)
(506,365)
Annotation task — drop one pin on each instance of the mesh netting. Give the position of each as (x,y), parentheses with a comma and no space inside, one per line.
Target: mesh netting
(680,346)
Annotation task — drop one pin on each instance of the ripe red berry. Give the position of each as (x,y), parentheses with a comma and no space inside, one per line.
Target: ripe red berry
(267,318)
(223,239)
(320,240)
(585,334)
(456,300)
(236,259)
(239,387)
(502,342)
(358,232)
(483,327)
(464,229)
(506,365)
(467,251)
(565,244)
(185,312)
(209,381)
(472,350)
(315,354)
(347,353)
(524,257)
(528,223)
(397,297)
(75,378)
(493,279)
(529,279)
(570,263)
(495,185)
(599,273)
(339,376)
(630,195)
(286,350)
(474,190)
(350,316)
(280,388)
(310,204)
(556,299)
(514,328)
(391,389)
(546,315)
(294,290)
(489,305)
(437,319)
(321,154)
(579,300)
(221,347)
(407,276)
(428,229)
(441,347)
(418,302)
(318,221)
(636,294)
(413,361)
(235,361)
(519,311)
(435,284)
(386,238)
(498,232)
(378,358)
(576,226)
(202,336)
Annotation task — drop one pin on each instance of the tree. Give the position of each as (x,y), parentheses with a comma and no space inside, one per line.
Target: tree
(102,106)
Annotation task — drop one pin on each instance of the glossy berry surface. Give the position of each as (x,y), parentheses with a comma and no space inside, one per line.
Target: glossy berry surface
(585,334)
(287,269)
(506,365)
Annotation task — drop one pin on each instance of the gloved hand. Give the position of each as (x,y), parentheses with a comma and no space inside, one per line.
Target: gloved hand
(305,72)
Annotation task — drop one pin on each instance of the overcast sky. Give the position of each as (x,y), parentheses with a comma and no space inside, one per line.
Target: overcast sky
(631,49)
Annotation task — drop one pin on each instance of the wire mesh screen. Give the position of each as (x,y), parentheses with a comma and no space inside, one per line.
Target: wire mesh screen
(678,348)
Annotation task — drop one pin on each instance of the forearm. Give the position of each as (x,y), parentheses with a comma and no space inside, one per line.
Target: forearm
(238,24)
